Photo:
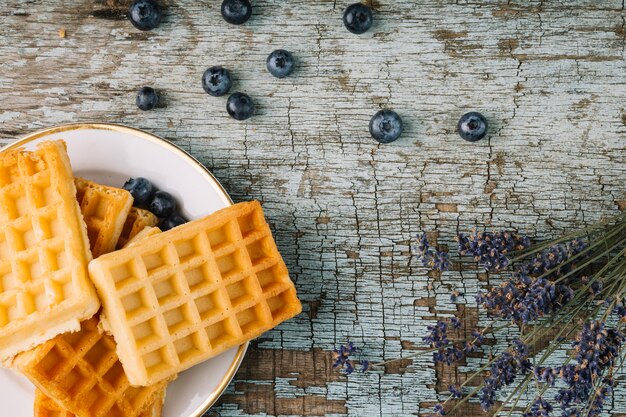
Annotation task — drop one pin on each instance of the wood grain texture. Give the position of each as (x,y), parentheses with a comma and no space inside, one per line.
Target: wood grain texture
(550,76)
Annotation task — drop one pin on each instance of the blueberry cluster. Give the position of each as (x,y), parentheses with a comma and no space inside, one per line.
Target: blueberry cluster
(431,258)
(341,359)
(160,203)
(503,372)
(596,349)
(490,249)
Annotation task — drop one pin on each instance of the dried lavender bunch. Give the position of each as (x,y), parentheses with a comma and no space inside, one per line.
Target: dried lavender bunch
(551,286)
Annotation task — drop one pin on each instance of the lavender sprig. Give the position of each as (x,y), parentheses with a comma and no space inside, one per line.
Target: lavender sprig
(341,359)
(490,249)
(430,258)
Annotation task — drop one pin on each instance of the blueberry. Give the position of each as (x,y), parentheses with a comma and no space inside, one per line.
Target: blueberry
(140,188)
(358,18)
(386,126)
(216,81)
(147,98)
(162,204)
(240,106)
(171,222)
(280,63)
(472,126)
(144,14)
(236,11)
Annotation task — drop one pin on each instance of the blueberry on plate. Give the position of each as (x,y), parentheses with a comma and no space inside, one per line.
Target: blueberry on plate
(358,18)
(472,126)
(236,12)
(240,106)
(171,222)
(386,126)
(280,63)
(162,204)
(147,98)
(216,81)
(140,188)
(144,14)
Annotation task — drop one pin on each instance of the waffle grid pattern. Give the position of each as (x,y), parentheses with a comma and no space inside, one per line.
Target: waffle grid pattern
(137,220)
(220,283)
(105,210)
(43,251)
(45,407)
(81,370)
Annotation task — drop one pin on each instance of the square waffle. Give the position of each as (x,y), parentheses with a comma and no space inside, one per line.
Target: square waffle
(137,220)
(81,372)
(182,296)
(45,407)
(105,210)
(44,286)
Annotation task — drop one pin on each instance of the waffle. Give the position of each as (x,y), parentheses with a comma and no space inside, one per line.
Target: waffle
(83,375)
(45,407)
(185,295)
(146,232)
(105,210)
(137,220)
(44,286)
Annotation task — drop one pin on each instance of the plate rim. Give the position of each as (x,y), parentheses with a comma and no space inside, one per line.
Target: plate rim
(204,171)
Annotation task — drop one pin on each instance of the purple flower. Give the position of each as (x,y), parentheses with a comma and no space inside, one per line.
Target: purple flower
(503,372)
(620,310)
(557,258)
(439,410)
(455,392)
(341,359)
(431,258)
(437,335)
(539,408)
(456,323)
(490,249)
(597,346)
(525,301)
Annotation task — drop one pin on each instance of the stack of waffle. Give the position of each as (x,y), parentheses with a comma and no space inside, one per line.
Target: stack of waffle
(170,300)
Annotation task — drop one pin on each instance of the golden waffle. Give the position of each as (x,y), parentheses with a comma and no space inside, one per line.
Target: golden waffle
(105,210)
(146,232)
(183,296)
(81,372)
(45,407)
(137,220)
(44,286)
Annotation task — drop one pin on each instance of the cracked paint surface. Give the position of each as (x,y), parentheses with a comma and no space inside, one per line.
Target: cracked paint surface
(549,76)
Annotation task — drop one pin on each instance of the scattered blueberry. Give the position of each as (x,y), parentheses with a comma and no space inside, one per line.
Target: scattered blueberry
(144,14)
(358,18)
(171,222)
(236,12)
(147,98)
(162,204)
(472,126)
(240,106)
(140,188)
(386,126)
(280,63)
(216,81)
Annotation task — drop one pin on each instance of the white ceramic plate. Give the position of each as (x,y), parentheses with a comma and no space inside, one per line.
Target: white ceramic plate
(110,154)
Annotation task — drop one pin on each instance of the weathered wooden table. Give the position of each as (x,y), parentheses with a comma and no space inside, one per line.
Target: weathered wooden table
(551,77)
